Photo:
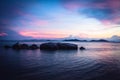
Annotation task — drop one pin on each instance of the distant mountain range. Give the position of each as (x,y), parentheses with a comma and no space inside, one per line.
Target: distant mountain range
(101,40)
(112,39)
(71,38)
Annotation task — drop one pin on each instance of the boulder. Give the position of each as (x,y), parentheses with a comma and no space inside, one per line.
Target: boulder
(82,48)
(20,46)
(24,46)
(58,46)
(66,46)
(7,46)
(49,46)
(33,46)
(16,46)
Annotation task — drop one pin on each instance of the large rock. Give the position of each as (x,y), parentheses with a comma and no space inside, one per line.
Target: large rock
(16,46)
(33,46)
(67,46)
(49,46)
(24,46)
(58,46)
(20,46)
(7,46)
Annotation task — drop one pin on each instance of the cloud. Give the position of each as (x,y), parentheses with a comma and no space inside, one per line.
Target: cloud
(3,34)
(83,35)
(11,35)
(28,19)
(96,13)
(34,34)
(99,9)
(40,18)
(115,38)
(7,8)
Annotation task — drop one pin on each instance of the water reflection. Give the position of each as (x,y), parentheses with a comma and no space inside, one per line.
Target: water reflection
(101,61)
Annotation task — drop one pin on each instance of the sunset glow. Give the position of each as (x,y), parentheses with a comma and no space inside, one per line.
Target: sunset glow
(60,18)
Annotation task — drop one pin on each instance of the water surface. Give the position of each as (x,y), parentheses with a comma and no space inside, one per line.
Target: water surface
(101,61)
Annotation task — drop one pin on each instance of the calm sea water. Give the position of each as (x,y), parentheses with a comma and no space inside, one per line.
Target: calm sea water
(101,61)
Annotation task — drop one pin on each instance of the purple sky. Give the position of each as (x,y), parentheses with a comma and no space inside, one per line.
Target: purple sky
(38,19)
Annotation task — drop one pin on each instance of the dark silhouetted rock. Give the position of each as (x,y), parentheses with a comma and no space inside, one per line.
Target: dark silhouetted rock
(20,46)
(58,46)
(7,46)
(82,48)
(24,46)
(67,46)
(49,46)
(16,46)
(33,46)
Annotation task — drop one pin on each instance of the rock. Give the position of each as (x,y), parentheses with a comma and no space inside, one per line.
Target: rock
(48,46)
(24,46)
(33,46)
(20,46)
(7,46)
(16,46)
(58,46)
(82,48)
(66,46)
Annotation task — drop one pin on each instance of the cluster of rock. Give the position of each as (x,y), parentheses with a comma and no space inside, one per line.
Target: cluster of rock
(18,46)
(46,46)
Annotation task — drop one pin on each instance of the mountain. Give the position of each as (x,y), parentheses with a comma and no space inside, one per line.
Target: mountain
(114,38)
(75,40)
(101,40)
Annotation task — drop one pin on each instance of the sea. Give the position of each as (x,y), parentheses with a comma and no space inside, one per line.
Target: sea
(100,61)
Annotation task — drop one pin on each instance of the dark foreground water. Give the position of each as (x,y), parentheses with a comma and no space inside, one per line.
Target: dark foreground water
(101,61)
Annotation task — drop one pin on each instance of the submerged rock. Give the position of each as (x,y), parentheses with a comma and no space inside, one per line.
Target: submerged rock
(82,48)
(58,46)
(33,46)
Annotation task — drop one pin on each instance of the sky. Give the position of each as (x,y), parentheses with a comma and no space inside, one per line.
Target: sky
(43,19)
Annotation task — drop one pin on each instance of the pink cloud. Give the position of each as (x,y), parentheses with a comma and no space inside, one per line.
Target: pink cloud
(73,6)
(35,23)
(98,5)
(114,4)
(116,20)
(3,34)
(32,20)
(41,34)
(106,22)
(38,23)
